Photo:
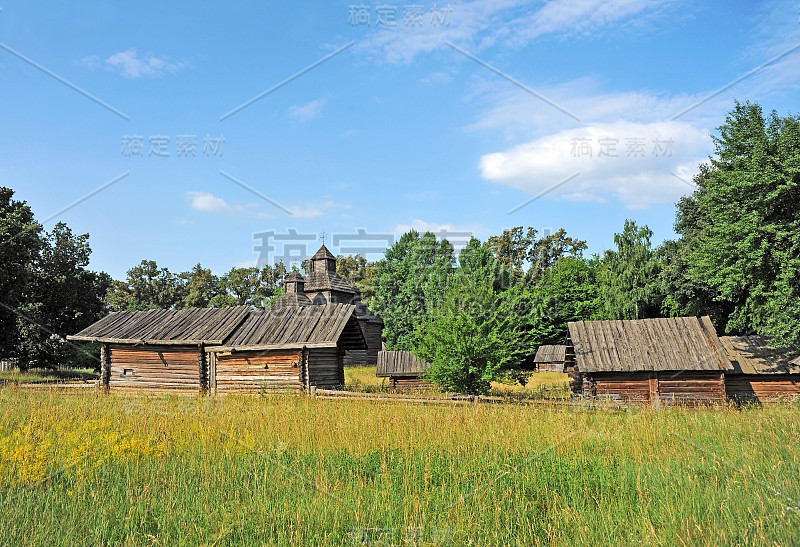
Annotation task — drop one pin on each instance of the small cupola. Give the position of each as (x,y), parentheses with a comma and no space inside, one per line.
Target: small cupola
(323,261)
(293,283)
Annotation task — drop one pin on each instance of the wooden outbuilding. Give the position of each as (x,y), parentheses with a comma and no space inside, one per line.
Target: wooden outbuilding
(667,360)
(226,349)
(759,371)
(550,358)
(403,368)
(287,348)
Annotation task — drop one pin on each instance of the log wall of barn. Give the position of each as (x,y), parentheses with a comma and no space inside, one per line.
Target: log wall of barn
(155,367)
(743,388)
(626,387)
(257,370)
(325,367)
(691,387)
(402,382)
(679,386)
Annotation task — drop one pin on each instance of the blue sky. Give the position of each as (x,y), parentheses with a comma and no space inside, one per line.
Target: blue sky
(453,119)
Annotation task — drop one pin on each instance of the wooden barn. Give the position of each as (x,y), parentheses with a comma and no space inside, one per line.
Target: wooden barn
(677,359)
(759,371)
(403,369)
(550,358)
(286,348)
(226,349)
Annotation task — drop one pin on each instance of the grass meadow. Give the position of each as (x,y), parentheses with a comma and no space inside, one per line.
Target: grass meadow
(541,385)
(86,468)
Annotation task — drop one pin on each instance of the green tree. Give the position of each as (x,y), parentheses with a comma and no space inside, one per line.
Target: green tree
(547,251)
(64,298)
(629,284)
(570,292)
(249,286)
(200,286)
(409,283)
(358,272)
(475,335)
(742,224)
(147,287)
(512,249)
(46,290)
(20,244)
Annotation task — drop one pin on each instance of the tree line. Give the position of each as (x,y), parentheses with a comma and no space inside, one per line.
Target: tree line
(479,315)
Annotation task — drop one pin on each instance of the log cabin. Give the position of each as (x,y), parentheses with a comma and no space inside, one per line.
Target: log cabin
(550,358)
(670,360)
(226,349)
(403,368)
(760,372)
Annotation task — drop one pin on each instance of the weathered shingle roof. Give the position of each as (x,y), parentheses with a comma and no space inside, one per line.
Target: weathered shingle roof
(321,281)
(323,253)
(188,326)
(320,325)
(229,328)
(550,354)
(678,343)
(400,363)
(291,299)
(753,355)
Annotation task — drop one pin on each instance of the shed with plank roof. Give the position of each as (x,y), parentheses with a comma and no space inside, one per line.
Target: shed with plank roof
(293,347)
(760,372)
(403,368)
(287,348)
(677,359)
(550,358)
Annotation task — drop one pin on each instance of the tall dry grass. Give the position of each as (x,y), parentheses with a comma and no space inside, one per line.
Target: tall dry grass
(77,468)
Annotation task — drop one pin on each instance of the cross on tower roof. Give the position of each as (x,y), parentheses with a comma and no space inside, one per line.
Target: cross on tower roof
(322,236)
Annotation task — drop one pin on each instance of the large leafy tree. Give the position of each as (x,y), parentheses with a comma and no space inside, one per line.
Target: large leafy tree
(409,284)
(475,334)
(63,298)
(547,251)
(20,244)
(147,287)
(743,223)
(512,249)
(629,286)
(200,286)
(358,272)
(249,286)
(570,292)
(46,290)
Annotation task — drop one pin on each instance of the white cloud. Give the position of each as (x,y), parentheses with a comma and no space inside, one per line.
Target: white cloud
(209,203)
(314,210)
(479,24)
(631,162)
(308,111)
(130,65)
